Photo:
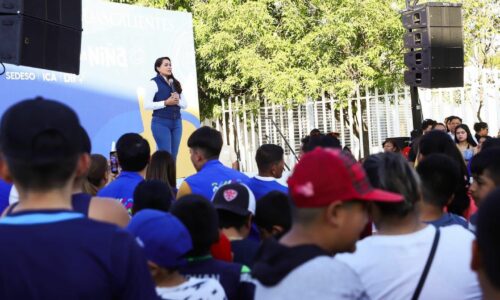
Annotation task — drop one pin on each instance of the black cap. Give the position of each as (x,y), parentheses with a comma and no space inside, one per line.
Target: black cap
(86,143)
(23,123)
(236,198)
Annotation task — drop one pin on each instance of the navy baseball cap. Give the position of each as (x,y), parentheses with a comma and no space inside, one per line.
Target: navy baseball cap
(25,123)
(236,198)
(165,240)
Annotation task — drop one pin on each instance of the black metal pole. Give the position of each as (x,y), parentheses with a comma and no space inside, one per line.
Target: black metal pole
(284,138)
(416,108)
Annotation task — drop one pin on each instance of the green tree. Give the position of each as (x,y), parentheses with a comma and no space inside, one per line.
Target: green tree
(287,50)
(481,34)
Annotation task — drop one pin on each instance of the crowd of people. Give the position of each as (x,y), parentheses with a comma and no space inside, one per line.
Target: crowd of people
(415,223)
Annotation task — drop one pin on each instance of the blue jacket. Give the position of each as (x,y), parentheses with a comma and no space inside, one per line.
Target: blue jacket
(172,112)
(122,188)
(261,187)
(211,177)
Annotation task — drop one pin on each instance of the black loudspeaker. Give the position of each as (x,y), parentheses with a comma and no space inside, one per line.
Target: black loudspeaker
(435,77)
(64,12)
(435,40)
(435,58)
(44,34)
(444,37)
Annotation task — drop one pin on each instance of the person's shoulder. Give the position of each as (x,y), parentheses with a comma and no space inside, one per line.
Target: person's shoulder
(108,210)
(230,267)
(366,250)
(331,274)
(456,233)
(205,284)
(459,220)
(328,265)
(280,186)
(110,189)
(102,228)
(240,175)
(246,243)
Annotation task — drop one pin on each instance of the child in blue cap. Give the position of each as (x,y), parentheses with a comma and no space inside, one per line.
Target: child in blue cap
(166,241)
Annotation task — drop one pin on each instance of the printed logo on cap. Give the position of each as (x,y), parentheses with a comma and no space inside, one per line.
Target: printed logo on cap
(306,189)
(230,195)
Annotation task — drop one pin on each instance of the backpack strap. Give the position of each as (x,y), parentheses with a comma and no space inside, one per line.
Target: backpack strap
(427,267)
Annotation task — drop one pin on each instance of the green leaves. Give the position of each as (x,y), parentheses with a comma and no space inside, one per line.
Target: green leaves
(287,50)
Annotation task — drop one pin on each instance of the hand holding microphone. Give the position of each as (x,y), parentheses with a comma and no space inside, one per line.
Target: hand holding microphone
(174,97)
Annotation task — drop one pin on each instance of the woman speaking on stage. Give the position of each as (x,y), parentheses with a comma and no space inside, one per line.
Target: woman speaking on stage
(163,95)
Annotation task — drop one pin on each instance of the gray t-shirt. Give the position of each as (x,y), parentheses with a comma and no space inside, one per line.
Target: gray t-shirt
(319,278)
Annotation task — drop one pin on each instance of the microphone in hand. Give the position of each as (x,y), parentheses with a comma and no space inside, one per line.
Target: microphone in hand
(171,83)
(175,95)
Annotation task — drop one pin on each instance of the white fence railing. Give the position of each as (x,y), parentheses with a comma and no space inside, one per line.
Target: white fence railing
(381,116)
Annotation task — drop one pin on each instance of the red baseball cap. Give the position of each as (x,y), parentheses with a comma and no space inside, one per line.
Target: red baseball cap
(324,176)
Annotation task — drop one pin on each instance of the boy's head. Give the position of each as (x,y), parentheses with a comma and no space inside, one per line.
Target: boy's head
(439,176)
(485,169)
(452,122)
(205,143)
(164,238)
(235,205)
(439,127)
(439,142)
(41,141)
(427,125)
(200,218)
(133,152)
(269,158)
(330,191)
(152,194)
(481,128)
(273,215)
(485,249)
(391,172)
(323,141)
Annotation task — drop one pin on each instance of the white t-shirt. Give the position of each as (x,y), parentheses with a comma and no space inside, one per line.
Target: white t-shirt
(194,288)
(227,156)
(319,278)
(390,266)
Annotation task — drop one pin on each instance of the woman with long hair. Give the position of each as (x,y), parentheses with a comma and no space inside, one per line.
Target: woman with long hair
(162,167)
(97,176)
(164,96)
(465,142)
(440,142)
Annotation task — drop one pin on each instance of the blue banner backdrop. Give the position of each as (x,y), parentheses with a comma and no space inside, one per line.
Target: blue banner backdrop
(119,46)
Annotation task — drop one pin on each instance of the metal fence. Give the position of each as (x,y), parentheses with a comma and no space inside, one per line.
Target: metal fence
(380,115)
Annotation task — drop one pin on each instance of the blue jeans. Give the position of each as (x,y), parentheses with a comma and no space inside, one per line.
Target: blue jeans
(167,134)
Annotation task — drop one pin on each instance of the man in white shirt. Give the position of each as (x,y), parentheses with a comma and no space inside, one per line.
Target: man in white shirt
(391,263)
(330,194)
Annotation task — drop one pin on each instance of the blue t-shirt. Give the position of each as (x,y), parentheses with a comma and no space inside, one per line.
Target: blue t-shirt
(122,188)
(60,254)
(212,176)
(81,203)
(234,278)
(262,187)
(450,219)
